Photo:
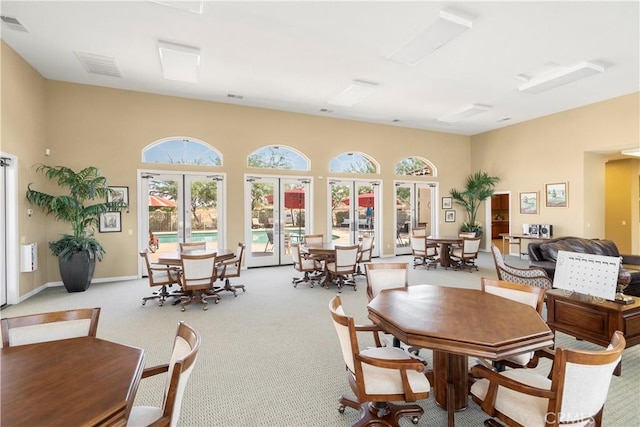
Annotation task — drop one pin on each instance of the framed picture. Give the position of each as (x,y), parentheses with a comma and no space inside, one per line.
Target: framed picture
(529,202)
(557,195)
(447,203)
(111,222)
(120,194)
(450,216)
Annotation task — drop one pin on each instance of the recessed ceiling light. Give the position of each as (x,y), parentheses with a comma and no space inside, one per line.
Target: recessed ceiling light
(465,113)
(179,62)
(356,92)
(560,76)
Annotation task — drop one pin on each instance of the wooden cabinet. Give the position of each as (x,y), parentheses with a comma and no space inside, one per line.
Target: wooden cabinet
(500,202)
(498,227)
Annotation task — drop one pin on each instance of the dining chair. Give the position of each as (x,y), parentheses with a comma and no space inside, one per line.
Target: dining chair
(377,375)
(269,244)
(198,277)
(419,231)
(306,265)
(364,254)
(464,257)
(313,239)
(528,295)
(342,266)
(574,393)
(229,269)
(52,326)
(193,246)
(163,276)
(183,358)
(424,253)
(532,276)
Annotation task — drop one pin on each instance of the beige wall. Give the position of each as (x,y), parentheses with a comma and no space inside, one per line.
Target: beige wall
(87,125)
(621,203)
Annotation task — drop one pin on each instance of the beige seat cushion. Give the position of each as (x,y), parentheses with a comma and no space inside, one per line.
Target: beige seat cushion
(388,381)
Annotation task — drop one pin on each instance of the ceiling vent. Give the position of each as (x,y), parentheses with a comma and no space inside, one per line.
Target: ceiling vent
(13,24)
(98,64)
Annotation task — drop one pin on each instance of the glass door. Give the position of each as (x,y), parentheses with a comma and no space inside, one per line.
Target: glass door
(413,209)
(278,212)
(180,208)
(354,207)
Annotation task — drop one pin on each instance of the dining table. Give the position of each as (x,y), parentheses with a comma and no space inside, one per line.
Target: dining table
(84,381)
(457,323)
(445,242)
(173,258)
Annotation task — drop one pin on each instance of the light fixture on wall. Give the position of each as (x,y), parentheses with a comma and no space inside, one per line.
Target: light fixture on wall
(179,62)
(560,76)
(449,25)
(356,92)
(632,152)
(465,113)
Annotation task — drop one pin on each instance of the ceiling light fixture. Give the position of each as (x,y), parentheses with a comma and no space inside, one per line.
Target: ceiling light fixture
(465,113)
(449,25)
(560,76)
(632,152)
(356,92)
(179,62)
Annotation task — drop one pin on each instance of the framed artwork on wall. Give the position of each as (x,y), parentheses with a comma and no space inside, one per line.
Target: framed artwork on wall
(450,216)
(529,202)
(447,203)
(111,222)
(557,195)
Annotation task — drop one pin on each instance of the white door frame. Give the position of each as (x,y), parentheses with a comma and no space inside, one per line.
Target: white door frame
(9,230)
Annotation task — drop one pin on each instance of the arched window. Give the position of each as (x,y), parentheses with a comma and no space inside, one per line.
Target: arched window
(181,150)
(278,157)
(415,166)
(354,163)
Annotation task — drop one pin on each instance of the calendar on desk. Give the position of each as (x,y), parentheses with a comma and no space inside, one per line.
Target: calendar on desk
(595,275)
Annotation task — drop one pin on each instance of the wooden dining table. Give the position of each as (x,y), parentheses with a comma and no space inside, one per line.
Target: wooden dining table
(456,323)
(445,243)
(83,381)
(173,258)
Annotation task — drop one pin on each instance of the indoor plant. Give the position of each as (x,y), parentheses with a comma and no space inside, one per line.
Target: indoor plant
(76,252)
(478,187)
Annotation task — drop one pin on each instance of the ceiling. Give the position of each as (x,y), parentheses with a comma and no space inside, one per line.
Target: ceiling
(298,56)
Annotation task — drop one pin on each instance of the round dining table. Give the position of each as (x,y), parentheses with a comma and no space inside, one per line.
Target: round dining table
(445,243)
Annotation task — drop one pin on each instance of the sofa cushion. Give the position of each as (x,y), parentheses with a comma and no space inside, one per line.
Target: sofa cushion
(585,246)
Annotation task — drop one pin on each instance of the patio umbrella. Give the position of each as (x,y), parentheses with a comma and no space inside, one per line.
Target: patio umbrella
(293,199)
(365,200)
(161,202)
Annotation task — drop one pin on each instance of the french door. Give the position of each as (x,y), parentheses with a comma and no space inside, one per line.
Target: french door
(354,208)
(277,213)
(178,207)
(414,202)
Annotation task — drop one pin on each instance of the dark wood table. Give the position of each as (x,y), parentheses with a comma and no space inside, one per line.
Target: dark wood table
(173,258)
(73,382)
(445,243)
(457,323)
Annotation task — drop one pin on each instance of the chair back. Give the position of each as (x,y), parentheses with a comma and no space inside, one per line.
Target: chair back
(467,234)
(346,259)
(193,246)
(198,271)
(159,275)
(533,276)
(366,249)
(529,295)
(470,246)
(345,327)
(313,239)
(232,267)
(497,259)
(183,359)
(419,231)
(53,326)
(385,275)
(418,245)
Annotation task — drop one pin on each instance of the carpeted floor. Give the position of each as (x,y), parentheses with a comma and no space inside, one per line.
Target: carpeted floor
(270,357)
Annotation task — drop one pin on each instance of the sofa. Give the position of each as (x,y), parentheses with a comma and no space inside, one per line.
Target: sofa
(544,254)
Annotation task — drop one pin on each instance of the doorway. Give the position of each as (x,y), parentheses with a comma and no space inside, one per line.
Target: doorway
(277,214)
(413,202)
(9,291)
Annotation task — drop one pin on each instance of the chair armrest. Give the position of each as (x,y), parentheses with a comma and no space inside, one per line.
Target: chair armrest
(371,328)
(547,353)
(496,379)
(630,259)
(161,422)
(155,370)
(403,364)
(166,269)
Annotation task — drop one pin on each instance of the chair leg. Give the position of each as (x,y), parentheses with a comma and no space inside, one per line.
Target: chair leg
(229,287)
(306,279)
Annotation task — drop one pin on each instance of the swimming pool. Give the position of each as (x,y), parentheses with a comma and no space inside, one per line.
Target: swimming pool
(257,236)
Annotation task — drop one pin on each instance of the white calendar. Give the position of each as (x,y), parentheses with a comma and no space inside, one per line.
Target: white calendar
(595,275)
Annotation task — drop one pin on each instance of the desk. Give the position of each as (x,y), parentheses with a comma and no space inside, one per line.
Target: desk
(445,243)
(457,323)
(519,238)
(173,258)
(74,382)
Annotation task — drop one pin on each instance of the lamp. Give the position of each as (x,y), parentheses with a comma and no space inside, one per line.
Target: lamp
(179,62)
(560,76)
(465,113)
(449,25)
(356,92)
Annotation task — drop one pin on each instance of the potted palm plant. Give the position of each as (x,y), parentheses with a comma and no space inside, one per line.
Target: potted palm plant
(478,187)
(77,252)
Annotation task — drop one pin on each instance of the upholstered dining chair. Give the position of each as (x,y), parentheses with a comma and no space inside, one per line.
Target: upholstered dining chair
(423,253)
(52,326)
(198,277)
(464,257)
(163,276)
(342,267)
(313,239)
(533,276)
(525,294)
(306,265)
(231,268)
(377,375)
(574,393)
(185,246)
(419,231)
(364,254)
(179,368)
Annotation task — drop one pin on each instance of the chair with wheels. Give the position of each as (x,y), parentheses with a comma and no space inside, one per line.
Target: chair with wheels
(198,277)
(378,375)
(178,370)
(364,254)
(341,268)
(52,326)
(305,265)
(424,253)
(229,269)
(161,275)
(465,256)
(189,246)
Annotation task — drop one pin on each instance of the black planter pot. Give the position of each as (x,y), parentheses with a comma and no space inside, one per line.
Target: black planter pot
(77,271)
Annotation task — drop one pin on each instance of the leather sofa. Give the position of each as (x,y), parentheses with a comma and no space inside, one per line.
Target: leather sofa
(544,254)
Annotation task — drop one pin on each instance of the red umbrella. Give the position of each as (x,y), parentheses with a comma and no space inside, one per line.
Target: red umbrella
(365,200)
(293,199)
(161,202)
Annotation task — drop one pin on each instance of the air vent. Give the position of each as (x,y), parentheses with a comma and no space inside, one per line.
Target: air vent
(98,64)
(326,110)
(13,24)
(234,96)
